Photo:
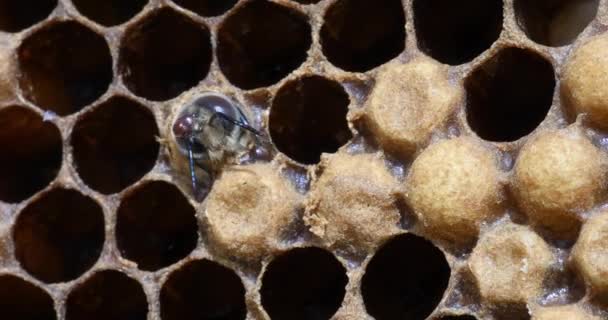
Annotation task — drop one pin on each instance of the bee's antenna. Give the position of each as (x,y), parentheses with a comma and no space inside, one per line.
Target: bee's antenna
(238,123)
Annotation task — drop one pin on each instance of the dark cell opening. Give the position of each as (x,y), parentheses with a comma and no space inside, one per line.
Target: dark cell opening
(59,236)
(308,118)
(203,289)
(303,284)
(31,155)
(455,32)
(359,35)
(261,43)
(509,95)
(511,312)
(109,12)
(207,8)
(555,22)
(64,67)
(18,15)
(156,226)
(406,279)
(115,144)
(164,55)
(107,295)
(21,300)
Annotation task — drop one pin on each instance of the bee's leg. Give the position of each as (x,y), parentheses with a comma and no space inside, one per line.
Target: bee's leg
(191,164)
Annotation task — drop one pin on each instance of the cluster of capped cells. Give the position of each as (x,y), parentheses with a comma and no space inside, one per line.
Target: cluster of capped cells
(427,159)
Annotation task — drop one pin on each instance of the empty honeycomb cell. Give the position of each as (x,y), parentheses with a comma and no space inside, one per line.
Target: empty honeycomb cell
(203,289)
(21,300)
(457,32)
(18,15)
(35,153)
(115,144)
(406,279)
(107,294)
(353,204)
(59,235)
(569,312)
(303,284)
(352,45)
(509,95)
(308,118)
(555,22)
(249,209)
(155,225)
(510,264)
(109,13)
(262,42)
(590,254)
(408,102)
(584,78)
(439,188)
(558,174)
(158,65)
(207,8)
(64,67)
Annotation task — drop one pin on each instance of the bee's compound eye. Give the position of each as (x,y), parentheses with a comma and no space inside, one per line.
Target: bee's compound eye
(184,129)
(183,126)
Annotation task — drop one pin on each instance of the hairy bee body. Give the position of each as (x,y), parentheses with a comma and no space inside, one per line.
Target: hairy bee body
(210,131)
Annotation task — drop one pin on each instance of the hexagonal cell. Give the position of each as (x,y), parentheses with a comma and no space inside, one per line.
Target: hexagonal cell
(308,118)
(64,67)
(523,260)
(18,15)
(555,22)
(303,284)
(158,65)
(155,225)
(21,300)
(115,144)
(59,235)
(438,190)
(35,153)
(509,95)
(583,78)
(359,35)
(262,42)
(455,32)
(207,8)
(110,12)
(107,294)
(558,174)
(589,255)
(406,279)
(245,218)
(354,204)
(203,289)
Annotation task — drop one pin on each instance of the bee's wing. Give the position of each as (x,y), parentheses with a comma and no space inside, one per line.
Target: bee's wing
(229,134)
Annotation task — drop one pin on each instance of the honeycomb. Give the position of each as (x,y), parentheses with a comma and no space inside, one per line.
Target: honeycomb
(428,159)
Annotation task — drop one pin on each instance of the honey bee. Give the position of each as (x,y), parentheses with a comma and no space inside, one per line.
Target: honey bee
(208,131)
